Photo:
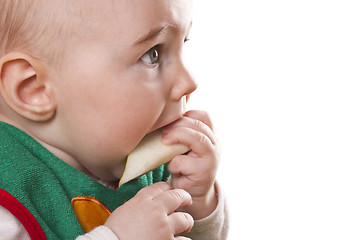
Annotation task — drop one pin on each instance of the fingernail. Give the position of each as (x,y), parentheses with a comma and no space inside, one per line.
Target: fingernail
(165,138)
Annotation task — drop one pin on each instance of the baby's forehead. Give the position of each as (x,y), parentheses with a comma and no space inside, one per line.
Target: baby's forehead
(128,16)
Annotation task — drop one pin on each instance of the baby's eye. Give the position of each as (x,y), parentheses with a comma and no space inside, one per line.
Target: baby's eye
(151,56)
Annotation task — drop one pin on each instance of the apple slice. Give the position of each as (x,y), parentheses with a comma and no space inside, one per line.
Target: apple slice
(148,155)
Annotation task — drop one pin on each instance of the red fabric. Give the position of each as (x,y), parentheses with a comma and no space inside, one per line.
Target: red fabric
(30,224)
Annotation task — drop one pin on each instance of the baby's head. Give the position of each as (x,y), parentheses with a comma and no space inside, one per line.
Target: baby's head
(35,27)
(88,79)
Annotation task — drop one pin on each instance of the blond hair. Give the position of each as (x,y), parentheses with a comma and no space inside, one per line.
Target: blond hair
(37,27)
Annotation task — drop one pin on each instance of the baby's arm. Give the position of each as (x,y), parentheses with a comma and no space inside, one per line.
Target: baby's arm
(196,171)
(213,227)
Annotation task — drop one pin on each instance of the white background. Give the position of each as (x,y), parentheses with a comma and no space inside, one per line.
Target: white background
(281,80)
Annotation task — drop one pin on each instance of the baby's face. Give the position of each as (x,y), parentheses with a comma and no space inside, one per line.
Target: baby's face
(121,77)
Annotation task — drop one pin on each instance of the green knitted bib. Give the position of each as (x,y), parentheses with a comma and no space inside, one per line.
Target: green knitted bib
(45,184)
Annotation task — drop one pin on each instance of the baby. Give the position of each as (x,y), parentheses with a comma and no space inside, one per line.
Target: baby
(82,82)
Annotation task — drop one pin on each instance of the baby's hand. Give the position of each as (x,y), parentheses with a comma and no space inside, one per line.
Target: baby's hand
(150,214)
(196,171)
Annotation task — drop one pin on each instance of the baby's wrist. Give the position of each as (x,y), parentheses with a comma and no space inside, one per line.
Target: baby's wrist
(202,206)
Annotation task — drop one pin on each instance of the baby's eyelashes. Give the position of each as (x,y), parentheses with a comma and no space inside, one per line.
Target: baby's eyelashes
(151,57)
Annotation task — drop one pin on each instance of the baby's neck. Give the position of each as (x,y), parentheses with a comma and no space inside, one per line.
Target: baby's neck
(109,184)
(69,160)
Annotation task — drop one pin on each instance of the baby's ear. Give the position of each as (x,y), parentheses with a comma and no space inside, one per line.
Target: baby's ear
(25,87)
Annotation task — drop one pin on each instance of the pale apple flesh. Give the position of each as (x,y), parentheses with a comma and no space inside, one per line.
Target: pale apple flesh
(148,155)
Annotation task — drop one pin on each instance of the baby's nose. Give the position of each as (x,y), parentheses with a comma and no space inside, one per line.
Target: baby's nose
(184,84)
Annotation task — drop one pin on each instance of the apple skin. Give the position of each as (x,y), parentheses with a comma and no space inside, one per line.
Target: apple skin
(148,155)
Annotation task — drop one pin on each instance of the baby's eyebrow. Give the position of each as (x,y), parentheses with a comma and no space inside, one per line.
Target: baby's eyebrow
(153,33)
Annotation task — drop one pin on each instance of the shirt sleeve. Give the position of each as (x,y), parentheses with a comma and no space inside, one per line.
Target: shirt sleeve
(10,227)
(101,232)
(215,226)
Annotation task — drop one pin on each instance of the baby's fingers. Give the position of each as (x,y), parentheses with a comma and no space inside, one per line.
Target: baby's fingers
(192,123)
(202,116)
(181,222)
(154,190)
(173,199)
(197,141)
